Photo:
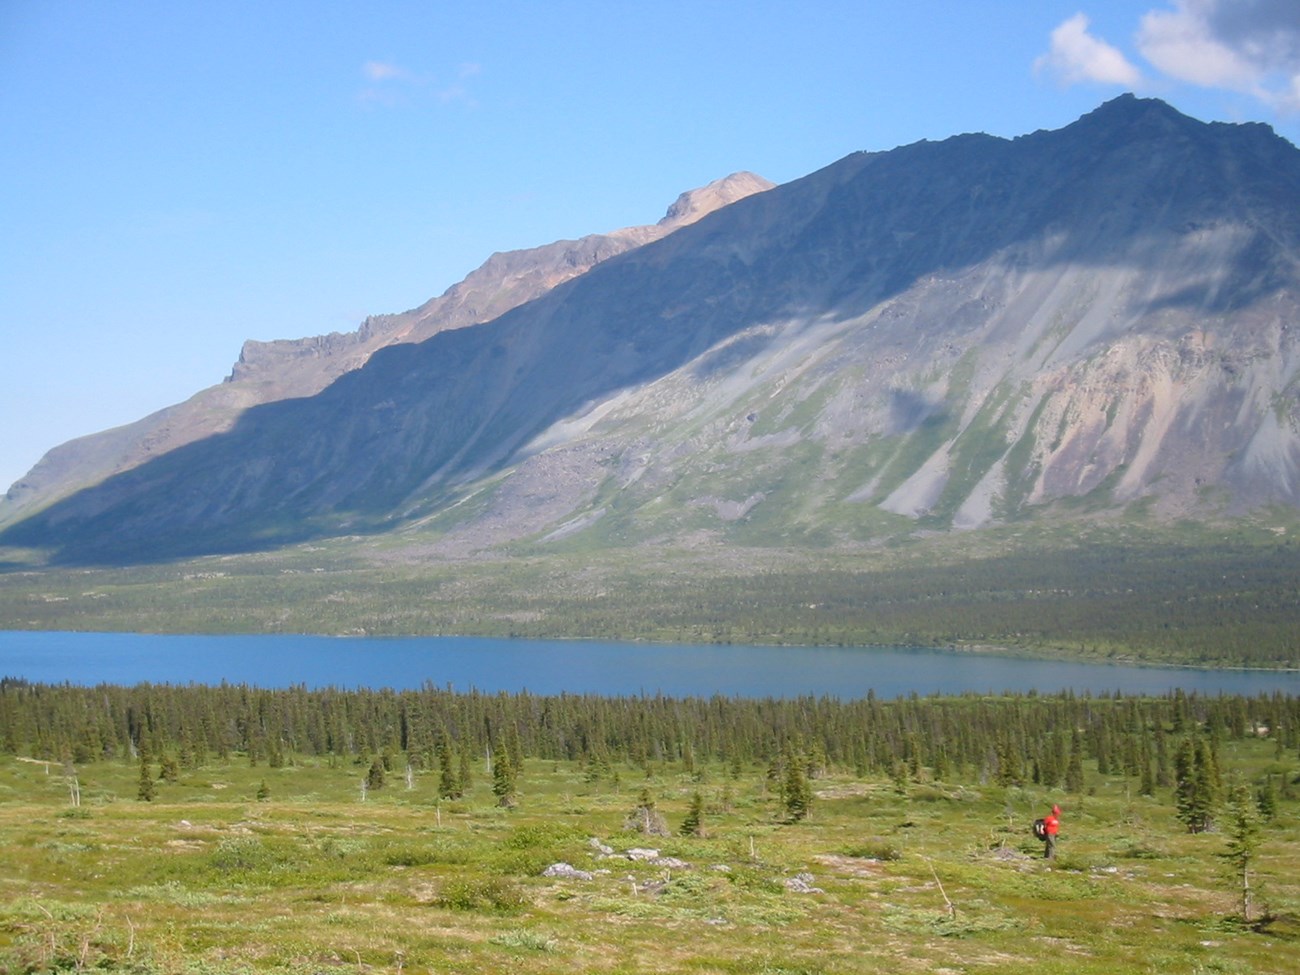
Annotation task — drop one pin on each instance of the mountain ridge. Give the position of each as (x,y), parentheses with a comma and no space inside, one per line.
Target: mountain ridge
(287,368)
(942,336)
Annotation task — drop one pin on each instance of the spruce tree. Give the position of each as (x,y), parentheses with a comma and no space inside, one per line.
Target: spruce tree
(503,780)
(796,789)
(693,824)
(1148,785)
(147,790)
(1185,783)
(1164,778)
(1266,799)
(646,818)
(1074,767)
(465,772)
(1209,785)
(375,776)
(169,769)
(1243,841)
(448,784)
(1196,780)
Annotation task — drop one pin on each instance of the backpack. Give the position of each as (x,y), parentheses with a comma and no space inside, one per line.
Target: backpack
(1040,828)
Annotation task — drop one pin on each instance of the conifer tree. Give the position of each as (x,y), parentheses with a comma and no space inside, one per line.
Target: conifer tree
(1209,785)
(169,769)
(693,824)
(503,780)
(1074,767)
(1101,749)
(514,749)
(375,776)
(898,774)
(448,784)
(146,790)
(796,790)
(1009,771)
(1164,777)
(941,768)
(1266,799)
(1195,784)
(1148,784)
(1243,841)
(1185,783)
(646,818)
(465,772)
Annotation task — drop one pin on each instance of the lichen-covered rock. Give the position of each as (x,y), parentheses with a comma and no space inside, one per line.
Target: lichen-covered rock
(802,883)
(566,871)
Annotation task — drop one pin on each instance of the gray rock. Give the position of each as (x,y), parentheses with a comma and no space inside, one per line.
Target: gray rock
(802,884)
(566,871)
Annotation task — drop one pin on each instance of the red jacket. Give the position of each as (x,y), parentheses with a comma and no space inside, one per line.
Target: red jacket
(1052,823)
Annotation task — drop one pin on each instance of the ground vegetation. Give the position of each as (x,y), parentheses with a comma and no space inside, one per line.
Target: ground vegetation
(910,849)
(1195,595)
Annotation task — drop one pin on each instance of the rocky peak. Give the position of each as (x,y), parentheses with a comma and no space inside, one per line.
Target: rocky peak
(1130,120)
(694,204)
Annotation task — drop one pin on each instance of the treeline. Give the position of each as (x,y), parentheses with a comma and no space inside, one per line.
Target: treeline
(1221,605)
(1214,602)
(1234,605)
(1008,740)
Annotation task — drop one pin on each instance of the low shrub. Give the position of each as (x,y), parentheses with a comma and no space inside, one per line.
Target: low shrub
(493,894)
(875,849)
(528,850)
(422,854)
(244,855)
(747,878)
(523,940)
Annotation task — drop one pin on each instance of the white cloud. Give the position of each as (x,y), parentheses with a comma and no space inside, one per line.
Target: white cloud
(1181,44)
(1248,46)
(1251,46)
(379,71)
(1270,29)
(1077,56)
(390,84)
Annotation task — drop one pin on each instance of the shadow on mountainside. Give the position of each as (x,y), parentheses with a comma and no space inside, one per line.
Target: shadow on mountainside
(417,420)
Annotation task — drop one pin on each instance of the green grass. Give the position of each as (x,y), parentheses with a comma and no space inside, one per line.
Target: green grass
(941,876)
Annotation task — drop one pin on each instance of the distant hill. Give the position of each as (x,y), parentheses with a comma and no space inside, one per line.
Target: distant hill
(945,336)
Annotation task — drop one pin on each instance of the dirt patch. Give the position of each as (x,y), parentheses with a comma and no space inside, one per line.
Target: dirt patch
(851,866)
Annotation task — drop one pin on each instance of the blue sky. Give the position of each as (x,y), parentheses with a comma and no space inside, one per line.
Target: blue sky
(178,177)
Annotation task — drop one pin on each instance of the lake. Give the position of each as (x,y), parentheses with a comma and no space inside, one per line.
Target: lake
(611,669)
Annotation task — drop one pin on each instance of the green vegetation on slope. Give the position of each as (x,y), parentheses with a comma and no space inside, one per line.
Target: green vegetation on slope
(1198,595)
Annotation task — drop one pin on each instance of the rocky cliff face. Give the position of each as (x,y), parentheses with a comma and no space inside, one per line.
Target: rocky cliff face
(942,336)
(504,281)
(267,372)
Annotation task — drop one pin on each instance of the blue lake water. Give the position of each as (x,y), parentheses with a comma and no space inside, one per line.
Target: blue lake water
(555,666)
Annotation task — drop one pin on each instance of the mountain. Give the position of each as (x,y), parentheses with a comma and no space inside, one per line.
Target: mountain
(270,371)
(1081,322)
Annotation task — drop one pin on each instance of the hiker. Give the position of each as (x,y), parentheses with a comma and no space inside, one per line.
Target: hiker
(1051,826)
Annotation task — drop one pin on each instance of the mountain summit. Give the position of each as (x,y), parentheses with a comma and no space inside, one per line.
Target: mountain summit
(943,336)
